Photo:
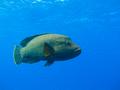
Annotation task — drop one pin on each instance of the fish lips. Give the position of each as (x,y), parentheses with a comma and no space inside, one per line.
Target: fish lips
(77,51)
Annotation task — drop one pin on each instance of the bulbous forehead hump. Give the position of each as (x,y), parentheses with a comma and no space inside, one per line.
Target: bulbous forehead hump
(65,38)
(59,38)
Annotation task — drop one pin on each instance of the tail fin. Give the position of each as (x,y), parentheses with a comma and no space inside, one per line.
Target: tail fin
(17,56)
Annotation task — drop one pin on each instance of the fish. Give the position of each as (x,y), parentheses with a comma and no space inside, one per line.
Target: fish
(45,47)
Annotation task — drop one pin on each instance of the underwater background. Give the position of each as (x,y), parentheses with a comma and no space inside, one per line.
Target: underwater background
(93,24)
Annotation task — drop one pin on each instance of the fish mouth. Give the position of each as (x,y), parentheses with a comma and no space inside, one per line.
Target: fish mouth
(77,51)
(69,55)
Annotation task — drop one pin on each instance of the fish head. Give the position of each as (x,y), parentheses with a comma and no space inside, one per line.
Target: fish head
(65,48)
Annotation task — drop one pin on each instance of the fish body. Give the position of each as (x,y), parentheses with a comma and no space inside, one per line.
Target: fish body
(46,47)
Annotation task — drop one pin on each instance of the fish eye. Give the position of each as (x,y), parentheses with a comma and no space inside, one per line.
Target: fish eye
(68,43)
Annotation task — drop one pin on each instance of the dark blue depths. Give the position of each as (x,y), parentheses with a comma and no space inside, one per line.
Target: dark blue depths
(93,24)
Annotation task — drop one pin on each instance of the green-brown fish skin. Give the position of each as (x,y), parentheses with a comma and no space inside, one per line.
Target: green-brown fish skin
(47,47)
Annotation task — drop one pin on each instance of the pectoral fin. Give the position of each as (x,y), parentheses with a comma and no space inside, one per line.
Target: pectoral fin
(48,54)
(48,51)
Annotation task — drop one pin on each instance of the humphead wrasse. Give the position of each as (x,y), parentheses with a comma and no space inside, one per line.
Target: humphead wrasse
(46,47)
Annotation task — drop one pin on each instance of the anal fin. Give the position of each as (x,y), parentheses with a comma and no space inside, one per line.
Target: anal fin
(49,62)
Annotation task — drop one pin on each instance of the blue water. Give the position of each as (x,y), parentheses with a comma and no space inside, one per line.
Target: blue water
(92,24)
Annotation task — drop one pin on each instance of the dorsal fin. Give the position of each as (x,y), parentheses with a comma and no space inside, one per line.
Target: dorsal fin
(24,42)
